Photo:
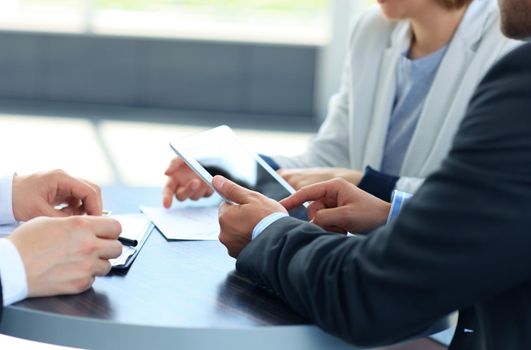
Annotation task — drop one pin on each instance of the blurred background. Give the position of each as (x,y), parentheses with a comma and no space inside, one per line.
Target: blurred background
(99,87)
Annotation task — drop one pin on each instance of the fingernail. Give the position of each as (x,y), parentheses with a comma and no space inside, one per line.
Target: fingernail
(195,185)
(218,181)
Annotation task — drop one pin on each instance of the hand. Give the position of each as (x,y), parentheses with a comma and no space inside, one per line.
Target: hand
(298,178)
(237,221)
(63,255)
(339,206)
(39,194)
(183,183)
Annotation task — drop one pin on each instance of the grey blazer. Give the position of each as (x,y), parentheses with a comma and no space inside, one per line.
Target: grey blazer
(353,134)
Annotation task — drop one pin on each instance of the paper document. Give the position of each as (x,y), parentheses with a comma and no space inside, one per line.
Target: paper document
(193,224)
(134,227)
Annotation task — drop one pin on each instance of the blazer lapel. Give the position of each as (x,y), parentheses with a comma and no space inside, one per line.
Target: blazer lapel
(443,91)
(437,105)
(385,96)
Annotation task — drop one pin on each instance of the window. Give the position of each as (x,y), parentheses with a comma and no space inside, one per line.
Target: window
(255,20)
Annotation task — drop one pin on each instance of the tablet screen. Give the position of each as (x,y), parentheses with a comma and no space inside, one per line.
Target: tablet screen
(220,153)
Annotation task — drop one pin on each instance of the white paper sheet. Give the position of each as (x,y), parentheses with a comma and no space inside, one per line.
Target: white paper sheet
(194,224)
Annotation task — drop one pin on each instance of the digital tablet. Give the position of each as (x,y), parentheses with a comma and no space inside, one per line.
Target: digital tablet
(218,152)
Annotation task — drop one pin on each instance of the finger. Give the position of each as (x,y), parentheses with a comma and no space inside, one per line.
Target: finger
(76,188)
(104,227)
(108,249)
(202,191)
(186,191)
(231,191)
(169,191)
(305,194)
(102,267)
(97,189)
(175,164)
(314,208)
(334,217)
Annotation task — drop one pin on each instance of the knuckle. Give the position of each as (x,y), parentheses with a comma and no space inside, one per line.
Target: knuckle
(224,219)
(57,173)
(78,222)
(222,238)
(84,283)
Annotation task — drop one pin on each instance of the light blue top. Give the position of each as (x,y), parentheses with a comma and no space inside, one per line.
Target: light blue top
(414,79)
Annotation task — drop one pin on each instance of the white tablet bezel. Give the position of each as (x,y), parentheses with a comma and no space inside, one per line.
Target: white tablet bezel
(216,133)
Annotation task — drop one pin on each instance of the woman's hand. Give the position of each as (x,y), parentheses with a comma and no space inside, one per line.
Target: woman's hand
(299,178)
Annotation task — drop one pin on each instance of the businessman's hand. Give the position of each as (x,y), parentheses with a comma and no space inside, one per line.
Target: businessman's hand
(298,178)
(339,206)
(183,183)
(63,255)
(237,221)
(38,195)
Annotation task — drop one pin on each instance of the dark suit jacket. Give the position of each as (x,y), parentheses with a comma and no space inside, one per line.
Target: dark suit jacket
(463,242)
(1,301)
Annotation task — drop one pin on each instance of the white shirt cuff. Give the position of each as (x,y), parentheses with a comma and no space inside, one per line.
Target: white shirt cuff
(398,198)
(265,222)
(6,200)
(12,273)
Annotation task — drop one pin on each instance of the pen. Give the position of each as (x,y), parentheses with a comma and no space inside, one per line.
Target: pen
(128,242)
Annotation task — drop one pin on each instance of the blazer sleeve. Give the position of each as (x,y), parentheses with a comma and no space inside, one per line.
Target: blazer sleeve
(1,300)
(464,236)
(330,147)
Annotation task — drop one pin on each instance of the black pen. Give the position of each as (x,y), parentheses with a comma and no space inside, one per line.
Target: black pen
(128,242)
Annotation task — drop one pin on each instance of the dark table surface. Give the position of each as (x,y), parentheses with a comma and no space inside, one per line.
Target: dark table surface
(181,284)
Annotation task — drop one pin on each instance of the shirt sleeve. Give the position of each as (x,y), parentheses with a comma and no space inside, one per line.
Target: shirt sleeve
(397,201)
(265,222)
(6,200)
(13,273)
(378,184)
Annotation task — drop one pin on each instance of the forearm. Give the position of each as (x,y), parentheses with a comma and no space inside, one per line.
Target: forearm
(305,266)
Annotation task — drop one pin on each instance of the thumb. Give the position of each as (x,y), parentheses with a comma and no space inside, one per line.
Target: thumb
(230,190)
(334,217)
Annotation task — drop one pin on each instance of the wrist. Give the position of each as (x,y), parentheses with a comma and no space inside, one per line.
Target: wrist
(17,186)
(352,176)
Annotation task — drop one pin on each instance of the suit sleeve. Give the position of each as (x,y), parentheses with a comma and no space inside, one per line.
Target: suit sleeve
(463,238)
(1,300)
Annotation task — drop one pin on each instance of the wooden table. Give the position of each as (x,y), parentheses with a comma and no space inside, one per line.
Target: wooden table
(182,295)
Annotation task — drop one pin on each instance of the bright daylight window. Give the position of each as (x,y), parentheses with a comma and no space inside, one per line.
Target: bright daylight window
(254,20)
